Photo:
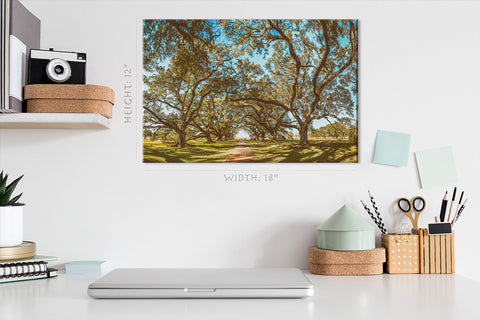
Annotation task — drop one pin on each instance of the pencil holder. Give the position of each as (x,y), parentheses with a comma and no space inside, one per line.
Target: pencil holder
(402,252)
(437,252)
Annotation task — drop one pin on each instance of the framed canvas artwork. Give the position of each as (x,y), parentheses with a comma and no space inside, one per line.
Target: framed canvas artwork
(250,91)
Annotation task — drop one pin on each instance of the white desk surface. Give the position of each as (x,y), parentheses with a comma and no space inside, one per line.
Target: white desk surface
(361,297)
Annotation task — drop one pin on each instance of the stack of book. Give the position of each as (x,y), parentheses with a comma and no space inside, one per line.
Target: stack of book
(20,270)
(21,263)
(19,32)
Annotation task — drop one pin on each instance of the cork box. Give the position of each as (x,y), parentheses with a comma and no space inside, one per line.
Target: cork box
(437,252)
(402,252)
(338,262)
(69,98)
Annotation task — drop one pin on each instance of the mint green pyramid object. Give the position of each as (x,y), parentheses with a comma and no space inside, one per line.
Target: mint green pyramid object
(345,230)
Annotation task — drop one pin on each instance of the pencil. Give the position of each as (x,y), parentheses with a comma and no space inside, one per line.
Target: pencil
(443,210)
(451,204)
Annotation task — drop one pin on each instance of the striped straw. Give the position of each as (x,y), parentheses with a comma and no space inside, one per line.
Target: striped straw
(382,228)
(379,218)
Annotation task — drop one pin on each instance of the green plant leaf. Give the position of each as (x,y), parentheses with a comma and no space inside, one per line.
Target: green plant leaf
(4,199)
(9,190)
(3,183)
(14,199)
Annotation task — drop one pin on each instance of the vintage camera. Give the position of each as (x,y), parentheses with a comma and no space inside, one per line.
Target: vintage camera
(48,66)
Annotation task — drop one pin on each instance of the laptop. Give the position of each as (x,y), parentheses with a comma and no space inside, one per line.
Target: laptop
(202,283)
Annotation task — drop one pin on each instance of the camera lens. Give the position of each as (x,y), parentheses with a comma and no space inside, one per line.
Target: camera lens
(58,70)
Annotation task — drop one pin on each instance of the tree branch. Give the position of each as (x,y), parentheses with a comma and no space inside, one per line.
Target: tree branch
(169,125)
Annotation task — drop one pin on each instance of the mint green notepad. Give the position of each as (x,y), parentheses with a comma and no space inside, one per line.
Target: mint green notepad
(392,148)
(34,259)
(85,267)
(436,167)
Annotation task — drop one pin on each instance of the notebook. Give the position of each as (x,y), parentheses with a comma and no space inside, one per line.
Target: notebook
(20,270)
(202,283)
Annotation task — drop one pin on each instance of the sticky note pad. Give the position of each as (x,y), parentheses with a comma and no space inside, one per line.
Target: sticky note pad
(392,148)
(436,167)
(85,267)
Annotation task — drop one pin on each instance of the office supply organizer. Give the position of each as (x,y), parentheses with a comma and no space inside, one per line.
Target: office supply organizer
(437,252)
(402,252)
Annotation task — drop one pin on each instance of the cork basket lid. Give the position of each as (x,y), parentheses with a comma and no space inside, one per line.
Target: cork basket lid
(345,219)
(69,91)
(321,256)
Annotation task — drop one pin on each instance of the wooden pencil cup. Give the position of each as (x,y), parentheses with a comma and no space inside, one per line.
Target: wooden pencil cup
(437,252)
(402,252)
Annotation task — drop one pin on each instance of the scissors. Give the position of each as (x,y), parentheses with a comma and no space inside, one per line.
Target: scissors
(417,205)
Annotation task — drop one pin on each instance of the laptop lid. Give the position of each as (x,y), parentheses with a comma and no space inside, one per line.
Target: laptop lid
(202,283)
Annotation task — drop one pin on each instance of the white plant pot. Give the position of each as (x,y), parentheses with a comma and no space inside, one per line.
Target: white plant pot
(11,226)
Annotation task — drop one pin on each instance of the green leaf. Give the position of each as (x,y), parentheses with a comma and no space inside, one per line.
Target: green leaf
(3,201)
(3,183)
(14,199)
(8,192)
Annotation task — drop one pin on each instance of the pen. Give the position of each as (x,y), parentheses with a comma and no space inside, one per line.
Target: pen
(459,212)
(444,207)
(451,204)
(458,207)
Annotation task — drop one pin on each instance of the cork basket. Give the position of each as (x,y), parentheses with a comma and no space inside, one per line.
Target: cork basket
(69,98)
(437,252)
(358,262)
(402,252)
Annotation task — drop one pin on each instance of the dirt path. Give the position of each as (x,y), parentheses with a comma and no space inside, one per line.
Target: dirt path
(241,153)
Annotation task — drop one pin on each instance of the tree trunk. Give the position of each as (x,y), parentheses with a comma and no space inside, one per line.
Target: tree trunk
(273,137)
(209,137)
(303,132)
(182,139)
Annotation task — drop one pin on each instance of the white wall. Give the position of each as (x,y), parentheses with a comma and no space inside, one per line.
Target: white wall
(89,196)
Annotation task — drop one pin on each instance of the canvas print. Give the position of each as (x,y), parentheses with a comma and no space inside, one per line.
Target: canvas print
(250,91)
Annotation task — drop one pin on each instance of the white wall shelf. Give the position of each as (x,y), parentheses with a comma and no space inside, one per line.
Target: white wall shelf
(54,121)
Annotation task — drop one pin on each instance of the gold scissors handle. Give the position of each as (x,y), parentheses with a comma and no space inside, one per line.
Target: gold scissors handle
(417,205)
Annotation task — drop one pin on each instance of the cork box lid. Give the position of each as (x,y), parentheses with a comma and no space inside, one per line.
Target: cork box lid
(69,91)
(320,256)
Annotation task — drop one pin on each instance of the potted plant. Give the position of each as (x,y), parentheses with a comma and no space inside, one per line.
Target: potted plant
(11,213)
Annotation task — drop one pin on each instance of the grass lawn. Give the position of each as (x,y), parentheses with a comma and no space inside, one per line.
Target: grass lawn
(283,151)
(316,151)
(196,151)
